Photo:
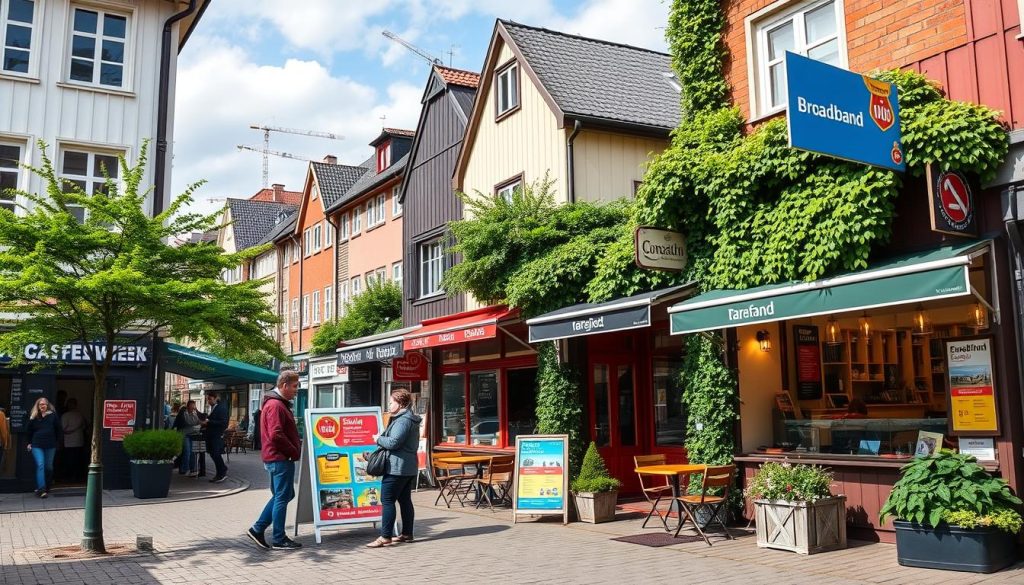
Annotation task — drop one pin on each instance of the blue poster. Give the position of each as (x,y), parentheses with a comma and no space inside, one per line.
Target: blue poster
(541,473)
(839,113)
(339,441)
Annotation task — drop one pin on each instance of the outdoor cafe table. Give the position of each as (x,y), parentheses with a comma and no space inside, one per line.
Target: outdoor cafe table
(477,460)
(672,471)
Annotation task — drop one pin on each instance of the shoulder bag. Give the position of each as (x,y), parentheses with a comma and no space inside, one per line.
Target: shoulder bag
(377,462)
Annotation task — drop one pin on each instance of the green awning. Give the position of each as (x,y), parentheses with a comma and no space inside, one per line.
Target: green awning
(924,276)
(200,365)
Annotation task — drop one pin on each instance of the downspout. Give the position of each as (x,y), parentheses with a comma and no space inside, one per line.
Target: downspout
(570,162)
(302,264)
(163,107)
(1013,216)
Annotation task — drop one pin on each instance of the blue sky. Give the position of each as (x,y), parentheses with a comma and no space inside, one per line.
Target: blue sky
(324,65)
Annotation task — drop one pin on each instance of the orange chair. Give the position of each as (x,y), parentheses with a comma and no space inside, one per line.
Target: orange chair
(498,480)
(654,489)
(715,478)
(451,477)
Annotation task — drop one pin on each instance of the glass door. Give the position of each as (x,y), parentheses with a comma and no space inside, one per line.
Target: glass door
(614,416)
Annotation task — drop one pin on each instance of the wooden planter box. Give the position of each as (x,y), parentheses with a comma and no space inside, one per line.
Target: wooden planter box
(802,527)
(596,507)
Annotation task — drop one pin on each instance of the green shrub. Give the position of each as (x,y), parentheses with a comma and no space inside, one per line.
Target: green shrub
(594,476)
(558,403)
(793,483)
(377,310)
(153,445)
(933,487)
(1003,519)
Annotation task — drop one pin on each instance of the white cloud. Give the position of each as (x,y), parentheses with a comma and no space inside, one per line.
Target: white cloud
(632,22)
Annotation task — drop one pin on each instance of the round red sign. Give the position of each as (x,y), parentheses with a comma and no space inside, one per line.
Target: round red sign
(955,197)
(327,427)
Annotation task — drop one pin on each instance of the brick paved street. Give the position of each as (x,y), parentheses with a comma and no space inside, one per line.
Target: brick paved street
(202,541)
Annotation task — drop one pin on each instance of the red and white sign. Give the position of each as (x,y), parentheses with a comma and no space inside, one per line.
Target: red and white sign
(452,337)
(410,367)
(952,203)
(118,413)
(357,430)
(955,197)
(119,433)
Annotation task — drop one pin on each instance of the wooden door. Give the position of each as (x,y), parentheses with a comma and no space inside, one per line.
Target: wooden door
(615,416)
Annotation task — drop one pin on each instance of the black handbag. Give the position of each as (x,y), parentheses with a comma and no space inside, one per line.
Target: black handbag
(377,462)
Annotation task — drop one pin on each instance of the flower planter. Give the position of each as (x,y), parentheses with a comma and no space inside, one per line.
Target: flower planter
(977,550)
(802,527)
(596,507)
(151,479)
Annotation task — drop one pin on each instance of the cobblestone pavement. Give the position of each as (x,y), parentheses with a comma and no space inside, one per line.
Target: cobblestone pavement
(203,541)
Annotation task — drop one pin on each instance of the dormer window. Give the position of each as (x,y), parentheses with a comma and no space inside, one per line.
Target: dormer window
(383,156)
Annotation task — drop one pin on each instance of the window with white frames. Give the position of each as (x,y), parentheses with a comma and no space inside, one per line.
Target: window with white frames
(10,158)
(371,214)
(295,251)
(307,242)
(305,311)
(264,266)
(508,188)
(381,275)
(316,307)
(342,298)
(357,286)
(368,278)
(295,314)
(396,203)
(18,23)
(98,47)
(328,302)
(396,272)
(344,228)
(85,170)
(382,201)
(317,238)
(328,233)
(357,219)
(507,89)
(431,268)
(813,29)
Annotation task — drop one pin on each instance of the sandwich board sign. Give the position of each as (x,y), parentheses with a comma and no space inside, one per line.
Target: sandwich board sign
(541,481)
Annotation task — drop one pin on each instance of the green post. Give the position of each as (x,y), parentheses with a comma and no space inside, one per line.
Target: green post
(92,535)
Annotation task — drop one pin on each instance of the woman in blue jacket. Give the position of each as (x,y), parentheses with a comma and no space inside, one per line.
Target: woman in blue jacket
(43,429)
(401,439)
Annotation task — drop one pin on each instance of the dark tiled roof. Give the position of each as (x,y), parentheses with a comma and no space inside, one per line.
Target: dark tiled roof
(282,229)
(336,180)
(252,220)
(591,78)
(459,77)
(400,132)
(371,180)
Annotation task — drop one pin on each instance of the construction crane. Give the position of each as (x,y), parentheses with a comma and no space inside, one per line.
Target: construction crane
(267,152)
(266,144)
(425,55)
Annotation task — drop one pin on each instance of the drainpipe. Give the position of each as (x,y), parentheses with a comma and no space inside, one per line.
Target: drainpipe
(1013,217)
(570,162)
(302,264)
(163,107)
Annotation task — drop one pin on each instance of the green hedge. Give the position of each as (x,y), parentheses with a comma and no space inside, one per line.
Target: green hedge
(153,445)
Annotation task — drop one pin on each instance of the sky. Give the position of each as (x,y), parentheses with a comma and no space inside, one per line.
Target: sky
(323,65)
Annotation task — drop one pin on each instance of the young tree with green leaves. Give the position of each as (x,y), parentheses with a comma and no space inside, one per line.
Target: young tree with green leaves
(113,279)
(377,310)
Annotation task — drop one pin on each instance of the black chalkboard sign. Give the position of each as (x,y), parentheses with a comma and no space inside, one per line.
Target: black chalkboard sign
(22,399)
(808,362)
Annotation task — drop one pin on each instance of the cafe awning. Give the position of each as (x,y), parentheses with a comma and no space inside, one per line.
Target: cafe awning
(591,318)
(458,328)
(374,348)
(201,365)
(935,274)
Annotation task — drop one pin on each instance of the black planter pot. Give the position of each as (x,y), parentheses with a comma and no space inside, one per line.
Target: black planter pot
(151,480)
(977,550)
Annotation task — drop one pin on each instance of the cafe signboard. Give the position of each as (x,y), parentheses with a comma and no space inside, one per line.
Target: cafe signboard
(659,249)
(541,479)
(118,413)
(971,382)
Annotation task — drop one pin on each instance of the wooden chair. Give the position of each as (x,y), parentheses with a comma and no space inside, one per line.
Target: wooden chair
(715,478)
(496,480)
(451,477)
(654,489)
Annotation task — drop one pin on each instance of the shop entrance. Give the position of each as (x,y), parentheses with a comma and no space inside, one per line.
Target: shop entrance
(74,395)
(614,424)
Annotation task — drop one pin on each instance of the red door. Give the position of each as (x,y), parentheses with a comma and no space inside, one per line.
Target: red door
(615,416)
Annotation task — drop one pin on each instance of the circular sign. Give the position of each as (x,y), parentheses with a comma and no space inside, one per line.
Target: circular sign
(955,197)
(327,428)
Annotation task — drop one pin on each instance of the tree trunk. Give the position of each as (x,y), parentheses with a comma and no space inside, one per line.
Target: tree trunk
(92,533)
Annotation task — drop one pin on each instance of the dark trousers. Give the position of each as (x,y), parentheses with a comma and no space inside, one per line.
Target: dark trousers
(396,488)
(215,445)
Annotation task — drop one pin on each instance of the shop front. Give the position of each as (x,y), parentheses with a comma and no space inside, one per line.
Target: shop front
(865,370)
(632,370)
(364,370)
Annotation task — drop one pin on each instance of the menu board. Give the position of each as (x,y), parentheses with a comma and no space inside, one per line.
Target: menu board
(541,478)
(971,382)
(808,362)
(338,442)
(18,414)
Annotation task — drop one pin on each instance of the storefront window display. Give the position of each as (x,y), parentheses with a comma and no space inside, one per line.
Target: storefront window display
(669,418)
(522,403)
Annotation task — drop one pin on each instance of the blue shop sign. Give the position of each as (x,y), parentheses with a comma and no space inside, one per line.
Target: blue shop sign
(839,113)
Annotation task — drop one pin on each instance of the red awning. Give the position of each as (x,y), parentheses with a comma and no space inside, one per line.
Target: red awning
(458,328)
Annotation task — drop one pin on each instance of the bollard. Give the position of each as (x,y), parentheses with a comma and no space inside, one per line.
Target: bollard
(144,543)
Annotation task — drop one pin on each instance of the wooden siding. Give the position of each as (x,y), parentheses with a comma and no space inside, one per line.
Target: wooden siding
(607,164)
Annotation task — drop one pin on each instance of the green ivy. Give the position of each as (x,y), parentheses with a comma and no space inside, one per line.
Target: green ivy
(710,401)
(559,402)
(694,38)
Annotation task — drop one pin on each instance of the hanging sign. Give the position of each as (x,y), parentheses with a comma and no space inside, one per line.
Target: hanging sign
(952,205)
(118,413)
(808,362)
(541,482)
(411,367)
(971,383)
(659,249)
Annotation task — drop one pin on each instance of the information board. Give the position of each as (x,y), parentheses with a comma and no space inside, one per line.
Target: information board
(118,413)
(338,442)
(808,362)
(18,413)
(541,483)
(971,382)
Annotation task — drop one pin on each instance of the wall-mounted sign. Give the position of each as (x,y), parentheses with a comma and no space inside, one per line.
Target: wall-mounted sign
(374,353)
(808,362)
(119,433)
(328,369)
(411,367)
(452,337)
(541,476)
(659,249)
(951,203)
(79,352)
(118,413)
(971,381)
(300,367)
(983,448)
(843,114)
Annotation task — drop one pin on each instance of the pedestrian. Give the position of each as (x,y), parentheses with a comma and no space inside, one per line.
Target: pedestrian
(216,424)
(256,442)
(281,449)
(73,428)
(401,438)
(44,428)
(187,423)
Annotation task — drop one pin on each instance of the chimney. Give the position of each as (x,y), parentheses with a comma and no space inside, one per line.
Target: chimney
(331,159)
(278,192)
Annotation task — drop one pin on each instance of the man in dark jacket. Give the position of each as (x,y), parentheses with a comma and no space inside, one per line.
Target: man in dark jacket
(281,449)
(216,424)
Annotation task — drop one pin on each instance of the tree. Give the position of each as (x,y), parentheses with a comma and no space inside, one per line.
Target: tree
(376,310)
(112,279)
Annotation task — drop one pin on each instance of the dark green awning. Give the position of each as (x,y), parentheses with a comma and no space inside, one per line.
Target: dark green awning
(200,365)
(935,274)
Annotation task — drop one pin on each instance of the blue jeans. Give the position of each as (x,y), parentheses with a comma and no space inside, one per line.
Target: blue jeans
(396,488)
(282,490)
(187,464)
(44,465)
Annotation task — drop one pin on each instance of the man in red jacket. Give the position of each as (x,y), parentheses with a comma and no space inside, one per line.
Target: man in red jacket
(281,449)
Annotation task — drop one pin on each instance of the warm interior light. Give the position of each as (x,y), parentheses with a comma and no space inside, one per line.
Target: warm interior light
(764,340)
(978,316)
(865,324)
(832,331)
(922,322)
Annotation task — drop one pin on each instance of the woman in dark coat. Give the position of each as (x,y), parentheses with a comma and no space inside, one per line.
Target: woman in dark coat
(44,428)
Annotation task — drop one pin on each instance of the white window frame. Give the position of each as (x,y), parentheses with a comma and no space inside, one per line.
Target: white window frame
(381,275)
(317,238)
(328,302)
(508,189)
(343,235)
(296,251)
(328,233)
(33,43)
(305,311)
(315,306)
(757,26)
(396,272)
(382,204)
(295,314)
(17,171)
(396,201)
(342,298)
(101,10)
(357,220)
(430,256)
(507,97)
(356,285)
(371,214)
(91,178)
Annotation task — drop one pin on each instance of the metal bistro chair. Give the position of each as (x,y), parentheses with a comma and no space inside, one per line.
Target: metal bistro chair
(654,490)
(497,479)
(450,476)
(715,477)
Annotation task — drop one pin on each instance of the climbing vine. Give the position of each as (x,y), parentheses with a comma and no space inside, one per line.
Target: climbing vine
(559,402)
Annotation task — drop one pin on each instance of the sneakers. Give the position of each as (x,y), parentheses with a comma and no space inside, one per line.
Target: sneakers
(286,544)
(258,538)
(193,473)
(219,479)
(43,494)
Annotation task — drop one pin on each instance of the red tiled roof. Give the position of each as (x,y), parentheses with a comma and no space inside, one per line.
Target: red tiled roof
(400,132)
(267,194)
(458,76)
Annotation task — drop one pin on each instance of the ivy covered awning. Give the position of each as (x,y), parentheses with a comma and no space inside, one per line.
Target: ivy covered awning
(924,276)
(200,365)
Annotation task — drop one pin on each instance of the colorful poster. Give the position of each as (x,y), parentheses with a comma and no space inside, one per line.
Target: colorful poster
(541,480)
(339,441)
(972,399)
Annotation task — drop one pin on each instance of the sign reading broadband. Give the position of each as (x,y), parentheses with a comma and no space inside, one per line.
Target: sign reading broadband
(839,113)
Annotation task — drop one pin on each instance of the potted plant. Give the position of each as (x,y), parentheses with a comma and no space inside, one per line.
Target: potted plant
(151,454)
(949,513)
(795,509)
(594,490)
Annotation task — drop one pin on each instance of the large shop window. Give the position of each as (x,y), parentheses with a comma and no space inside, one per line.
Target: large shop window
(454,407)
(483,408)
(669,417)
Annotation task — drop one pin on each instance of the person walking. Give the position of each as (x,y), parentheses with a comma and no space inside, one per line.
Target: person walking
(216,424)
(44,428)
(187,423)
(73,429)
(281,449)
(401,438)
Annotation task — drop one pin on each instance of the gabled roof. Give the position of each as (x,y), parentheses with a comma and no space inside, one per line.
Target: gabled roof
(252,220)
(370,180)
(387,133)
(267,194)
(459,77)
(283,229)
(336,180)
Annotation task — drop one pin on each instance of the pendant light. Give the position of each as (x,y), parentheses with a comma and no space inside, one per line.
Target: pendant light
(922,321)
(979,318)
(832,334)
(864,324)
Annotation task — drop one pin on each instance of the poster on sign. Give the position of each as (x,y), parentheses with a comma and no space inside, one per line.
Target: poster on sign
(119,433)
(971,383)
(338,442)
(951,205)
(411,367)
(541,479)
(118,413)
